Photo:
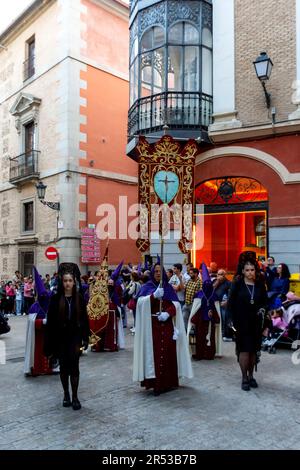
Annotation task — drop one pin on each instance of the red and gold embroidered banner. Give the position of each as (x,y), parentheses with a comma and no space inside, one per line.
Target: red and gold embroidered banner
(170,156)
(98,305)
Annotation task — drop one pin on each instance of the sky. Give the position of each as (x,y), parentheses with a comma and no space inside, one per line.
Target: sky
(10,9)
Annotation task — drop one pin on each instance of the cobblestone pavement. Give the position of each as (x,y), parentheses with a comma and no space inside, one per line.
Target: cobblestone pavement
(209,412)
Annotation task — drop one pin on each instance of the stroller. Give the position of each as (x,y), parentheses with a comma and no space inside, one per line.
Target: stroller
(4,326)
(288,333)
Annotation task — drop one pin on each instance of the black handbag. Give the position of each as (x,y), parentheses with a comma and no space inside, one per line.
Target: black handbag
(126,297)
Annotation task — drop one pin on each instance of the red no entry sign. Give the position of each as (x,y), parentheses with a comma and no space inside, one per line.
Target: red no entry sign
(51,253)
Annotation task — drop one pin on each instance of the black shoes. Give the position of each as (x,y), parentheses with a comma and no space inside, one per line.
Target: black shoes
(76,405)
(253,383)
(67,401)
(245,385)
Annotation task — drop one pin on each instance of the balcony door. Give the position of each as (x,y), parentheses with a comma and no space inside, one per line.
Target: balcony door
(31,54)
(29,147)
(26,262)
(29,68)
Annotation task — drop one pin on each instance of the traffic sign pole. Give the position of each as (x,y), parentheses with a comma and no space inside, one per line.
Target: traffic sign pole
(57,237)
(57,261)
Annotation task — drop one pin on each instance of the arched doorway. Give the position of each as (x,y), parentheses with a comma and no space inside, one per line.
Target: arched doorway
(231,216)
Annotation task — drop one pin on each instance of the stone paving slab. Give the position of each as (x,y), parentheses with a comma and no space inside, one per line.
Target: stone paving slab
(208,412)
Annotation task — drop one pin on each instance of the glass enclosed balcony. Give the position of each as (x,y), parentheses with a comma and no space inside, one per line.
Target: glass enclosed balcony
(170,66)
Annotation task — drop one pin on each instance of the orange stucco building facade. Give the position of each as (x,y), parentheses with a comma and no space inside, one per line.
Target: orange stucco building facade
(110,176)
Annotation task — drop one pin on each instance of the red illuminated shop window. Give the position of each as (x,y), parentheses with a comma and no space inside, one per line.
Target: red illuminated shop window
(230,190)
(231,216)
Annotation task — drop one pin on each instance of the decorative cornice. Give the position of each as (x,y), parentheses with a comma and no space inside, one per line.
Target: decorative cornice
(24,102)
(103,68)
(30,240)
(83,171)
(82,60)
(262,130)
(117,7)
(254,154)
(70,168)
(109,175)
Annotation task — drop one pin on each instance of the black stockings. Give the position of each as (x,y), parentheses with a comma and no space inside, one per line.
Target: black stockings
(74,385)
(64,378)
(74,379)
(247,362)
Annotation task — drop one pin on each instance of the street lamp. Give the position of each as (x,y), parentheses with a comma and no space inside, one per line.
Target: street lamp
(263,67)
(41,191)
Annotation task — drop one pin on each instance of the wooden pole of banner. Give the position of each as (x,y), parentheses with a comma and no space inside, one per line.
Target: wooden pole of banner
(107,250)
(161,262)
(165,129)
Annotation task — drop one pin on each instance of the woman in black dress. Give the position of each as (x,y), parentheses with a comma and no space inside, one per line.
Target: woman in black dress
(67,331)
(247,305)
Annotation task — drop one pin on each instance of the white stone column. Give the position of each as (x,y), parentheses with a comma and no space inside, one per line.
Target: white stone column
(296,84)
(224,66)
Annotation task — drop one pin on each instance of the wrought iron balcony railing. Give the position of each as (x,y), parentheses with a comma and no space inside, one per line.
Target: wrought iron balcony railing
(132,4)
(28,68)
(179,110)
(24,166)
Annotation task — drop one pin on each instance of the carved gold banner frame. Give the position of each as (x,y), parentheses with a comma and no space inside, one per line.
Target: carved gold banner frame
(171,156)
(98,305)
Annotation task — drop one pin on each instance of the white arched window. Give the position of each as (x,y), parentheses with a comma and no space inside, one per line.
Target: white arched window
(152,61)
(183,57)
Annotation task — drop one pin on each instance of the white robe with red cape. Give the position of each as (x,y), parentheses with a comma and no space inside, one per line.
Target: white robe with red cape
(143,357)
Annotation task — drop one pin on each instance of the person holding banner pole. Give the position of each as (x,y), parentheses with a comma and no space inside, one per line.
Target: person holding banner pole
(161,352)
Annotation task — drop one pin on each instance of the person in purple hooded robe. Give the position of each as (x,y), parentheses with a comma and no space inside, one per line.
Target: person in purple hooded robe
(112,336)
(161,353)
(36,363)
(205,320)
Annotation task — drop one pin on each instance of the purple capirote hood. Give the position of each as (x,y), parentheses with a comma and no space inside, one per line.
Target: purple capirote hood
(206,293)
(43,296)
(152,285)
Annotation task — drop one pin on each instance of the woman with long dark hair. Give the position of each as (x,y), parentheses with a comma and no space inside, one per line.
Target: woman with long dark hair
(246,306)
(67,331)
(280,286)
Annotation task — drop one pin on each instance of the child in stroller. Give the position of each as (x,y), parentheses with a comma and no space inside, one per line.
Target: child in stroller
(285,327)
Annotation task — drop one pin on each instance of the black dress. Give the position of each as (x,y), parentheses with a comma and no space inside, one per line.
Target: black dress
(247,320)
(65,334)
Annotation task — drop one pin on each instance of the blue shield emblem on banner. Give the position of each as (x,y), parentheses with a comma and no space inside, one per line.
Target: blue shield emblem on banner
(166,185)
